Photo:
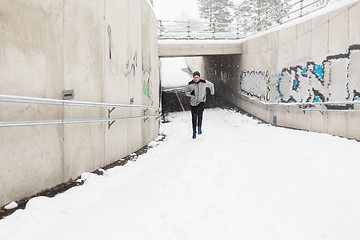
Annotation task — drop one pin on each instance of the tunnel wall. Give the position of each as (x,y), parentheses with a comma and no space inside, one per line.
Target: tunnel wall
(105,51)
(316,61)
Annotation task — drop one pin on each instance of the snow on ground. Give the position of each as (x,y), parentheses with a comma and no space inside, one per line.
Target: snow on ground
(173,72)
(239,180)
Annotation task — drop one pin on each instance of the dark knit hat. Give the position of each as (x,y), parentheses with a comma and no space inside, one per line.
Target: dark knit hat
(196,73)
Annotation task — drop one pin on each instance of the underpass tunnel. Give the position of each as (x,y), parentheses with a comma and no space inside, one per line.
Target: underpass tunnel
(176,72)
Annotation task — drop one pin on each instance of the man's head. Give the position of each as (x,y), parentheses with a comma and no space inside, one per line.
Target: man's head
(196,76)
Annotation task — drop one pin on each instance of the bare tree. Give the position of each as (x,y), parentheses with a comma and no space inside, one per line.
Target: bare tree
(257,15)
(217,12)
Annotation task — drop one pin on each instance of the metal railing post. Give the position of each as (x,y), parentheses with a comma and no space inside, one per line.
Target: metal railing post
(188,30)
(161,29)
(237,31)
(213,30)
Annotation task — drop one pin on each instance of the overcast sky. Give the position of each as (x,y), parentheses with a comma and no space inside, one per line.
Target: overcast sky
(177,10)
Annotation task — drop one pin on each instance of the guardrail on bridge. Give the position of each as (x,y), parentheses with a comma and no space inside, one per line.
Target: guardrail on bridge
(284,12)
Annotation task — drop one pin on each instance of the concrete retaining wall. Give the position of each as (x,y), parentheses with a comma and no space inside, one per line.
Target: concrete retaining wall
(309,62)
(315,61)
(106,51)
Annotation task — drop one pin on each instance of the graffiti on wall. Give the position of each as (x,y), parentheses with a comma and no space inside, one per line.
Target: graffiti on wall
(130,71)
(256,83)
(146,76)
(131,65)
(336,79)
(301,84)
(146,86)
(354,73)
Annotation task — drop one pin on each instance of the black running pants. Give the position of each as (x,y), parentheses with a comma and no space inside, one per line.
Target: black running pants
(197,115)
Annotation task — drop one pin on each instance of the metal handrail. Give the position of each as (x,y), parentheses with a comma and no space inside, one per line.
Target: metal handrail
(270,105)
(198,30)
(67,121)
(299,10)
(21,99)
(110,120)
(174,89)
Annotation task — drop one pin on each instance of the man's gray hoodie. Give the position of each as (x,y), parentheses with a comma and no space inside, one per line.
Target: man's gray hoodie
(197,91)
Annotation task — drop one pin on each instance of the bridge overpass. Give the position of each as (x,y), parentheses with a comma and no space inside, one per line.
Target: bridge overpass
(190,38)
(190,48)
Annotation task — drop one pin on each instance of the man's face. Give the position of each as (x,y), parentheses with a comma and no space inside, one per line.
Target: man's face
(196,78)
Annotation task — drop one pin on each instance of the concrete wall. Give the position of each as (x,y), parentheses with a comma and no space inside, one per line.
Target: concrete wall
(315,61)
(307,62)
(106,51)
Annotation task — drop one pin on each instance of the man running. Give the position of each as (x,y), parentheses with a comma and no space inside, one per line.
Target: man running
(196,89)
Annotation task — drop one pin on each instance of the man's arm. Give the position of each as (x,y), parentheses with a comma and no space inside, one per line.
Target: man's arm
(211,87)
(187,90)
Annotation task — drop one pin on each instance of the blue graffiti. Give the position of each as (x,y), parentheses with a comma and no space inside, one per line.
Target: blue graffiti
(295,83)
(278,76)
(319,71)
(317,99)
(304,70)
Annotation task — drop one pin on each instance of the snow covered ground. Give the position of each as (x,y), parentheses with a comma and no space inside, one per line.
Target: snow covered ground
(239,180)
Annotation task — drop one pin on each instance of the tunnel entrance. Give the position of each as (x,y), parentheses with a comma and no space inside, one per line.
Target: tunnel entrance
(175,73)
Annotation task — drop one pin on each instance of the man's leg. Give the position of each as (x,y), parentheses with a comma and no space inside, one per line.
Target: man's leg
(194,116)
(200,116)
